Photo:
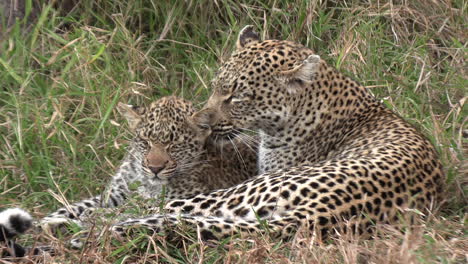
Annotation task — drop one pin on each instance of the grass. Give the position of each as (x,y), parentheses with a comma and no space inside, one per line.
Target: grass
(62,76)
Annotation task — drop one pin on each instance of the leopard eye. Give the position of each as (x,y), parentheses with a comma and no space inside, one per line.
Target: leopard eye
(145,144)
(203,126)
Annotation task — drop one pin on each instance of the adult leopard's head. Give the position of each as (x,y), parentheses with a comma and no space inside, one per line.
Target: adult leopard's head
(252,88)
(167,134)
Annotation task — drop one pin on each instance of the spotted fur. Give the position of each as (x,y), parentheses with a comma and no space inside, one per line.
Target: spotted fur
(166,133)
(330,153)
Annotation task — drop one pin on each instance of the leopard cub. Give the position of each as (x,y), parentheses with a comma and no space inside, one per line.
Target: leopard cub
(169,152)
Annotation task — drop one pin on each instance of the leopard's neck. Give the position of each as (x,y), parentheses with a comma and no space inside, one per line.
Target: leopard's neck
(319,120)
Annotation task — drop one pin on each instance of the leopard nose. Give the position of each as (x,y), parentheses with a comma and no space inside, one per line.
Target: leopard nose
(156,169)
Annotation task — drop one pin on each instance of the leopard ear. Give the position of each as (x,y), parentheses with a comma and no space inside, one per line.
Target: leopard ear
(247,37)
(131,113)
(301,74)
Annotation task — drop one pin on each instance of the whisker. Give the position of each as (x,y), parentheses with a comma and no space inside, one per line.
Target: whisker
(248,141)
(191,164)
(250,130)
(263,134)
(253,139)
(238,152)
(221,150)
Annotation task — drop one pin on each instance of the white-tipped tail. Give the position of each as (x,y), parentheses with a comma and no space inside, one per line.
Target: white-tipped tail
(15,221)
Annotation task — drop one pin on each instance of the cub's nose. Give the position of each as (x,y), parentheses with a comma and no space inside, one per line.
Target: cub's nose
(157,159)
(156,169)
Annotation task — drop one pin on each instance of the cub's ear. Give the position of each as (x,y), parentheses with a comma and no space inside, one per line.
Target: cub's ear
(301,74)
(203,119)
(247,37)
(131,113)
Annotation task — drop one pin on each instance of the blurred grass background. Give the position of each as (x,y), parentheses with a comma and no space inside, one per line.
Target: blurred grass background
(65,65)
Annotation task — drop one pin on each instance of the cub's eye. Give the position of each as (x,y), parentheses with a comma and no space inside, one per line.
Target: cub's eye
(144,143)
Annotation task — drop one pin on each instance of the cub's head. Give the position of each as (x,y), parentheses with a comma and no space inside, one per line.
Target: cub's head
(167,135)
(252,89)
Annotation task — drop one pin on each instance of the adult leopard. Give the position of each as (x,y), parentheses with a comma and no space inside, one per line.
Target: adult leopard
(169,150)
(330,153)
